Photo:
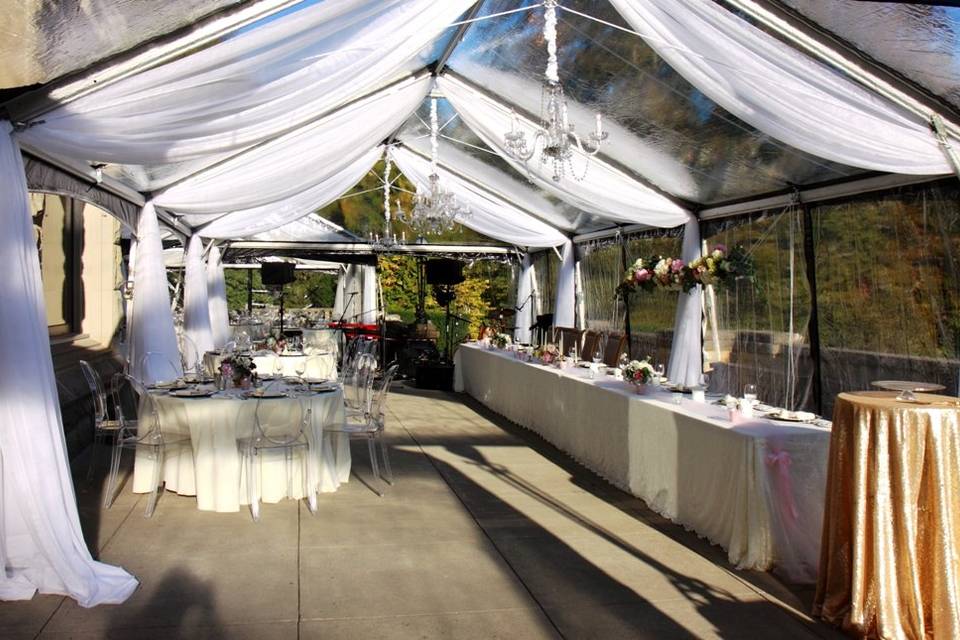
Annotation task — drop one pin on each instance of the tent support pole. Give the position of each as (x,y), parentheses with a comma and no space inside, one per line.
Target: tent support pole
(250,292)
(626,299)
(813,329)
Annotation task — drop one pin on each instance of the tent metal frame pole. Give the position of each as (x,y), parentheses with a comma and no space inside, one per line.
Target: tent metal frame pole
(802,37)
(457,38)
(626,298)
(813,327)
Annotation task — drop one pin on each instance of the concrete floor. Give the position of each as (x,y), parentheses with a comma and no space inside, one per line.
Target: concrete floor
(488,533)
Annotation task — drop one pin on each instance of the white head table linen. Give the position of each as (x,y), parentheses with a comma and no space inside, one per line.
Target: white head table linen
(755,488)
(213,473)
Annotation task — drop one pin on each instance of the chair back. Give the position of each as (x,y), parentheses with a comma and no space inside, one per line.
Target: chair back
(274,365)
(157,367)
(379,400)
(616,344)
(591,342)
(281,422)
(134,406)
(358,389)
(96,391)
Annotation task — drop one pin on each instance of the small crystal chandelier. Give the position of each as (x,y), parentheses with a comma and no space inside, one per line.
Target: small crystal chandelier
(389,240)
(435,210)
(555,134)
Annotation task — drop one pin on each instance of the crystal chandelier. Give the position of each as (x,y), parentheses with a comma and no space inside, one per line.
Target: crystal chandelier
(555,135)
(435,210)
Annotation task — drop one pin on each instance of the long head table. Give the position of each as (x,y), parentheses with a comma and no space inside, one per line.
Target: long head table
(756,487)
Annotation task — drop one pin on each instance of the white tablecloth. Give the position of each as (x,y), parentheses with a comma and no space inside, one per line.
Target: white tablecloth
(319,366)
(755,488)
(214,472)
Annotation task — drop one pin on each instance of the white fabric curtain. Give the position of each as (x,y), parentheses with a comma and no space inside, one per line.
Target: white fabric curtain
(606,191)
(217,292)
(41,544)
(248,222)
(196,305)
(489,214)
(154,355)
(565,309)
(276,171)
(252,86)
(339,297)
(781,91)
(369,306)
(685,365)
(526,314)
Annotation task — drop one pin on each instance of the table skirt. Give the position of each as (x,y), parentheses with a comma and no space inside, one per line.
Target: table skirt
(210,466)
(755,488)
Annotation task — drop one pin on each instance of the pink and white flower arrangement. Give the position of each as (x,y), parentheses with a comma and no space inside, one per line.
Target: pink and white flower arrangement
(638,372)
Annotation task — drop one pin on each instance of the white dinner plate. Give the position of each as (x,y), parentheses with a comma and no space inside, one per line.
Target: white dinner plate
(792,416)
(192,393)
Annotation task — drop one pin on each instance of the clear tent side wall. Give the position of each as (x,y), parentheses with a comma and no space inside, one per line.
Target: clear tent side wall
(876,277)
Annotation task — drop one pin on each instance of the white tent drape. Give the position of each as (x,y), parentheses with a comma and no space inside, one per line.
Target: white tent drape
(564,311)
(526,314)
(248,222)
(196,305)
(685,365)
(252,86)
(41,544)
(489,214)
(369,306)
(339,297)
(276,171)
(217,292)
(607,192)
(782,92)
(152,329)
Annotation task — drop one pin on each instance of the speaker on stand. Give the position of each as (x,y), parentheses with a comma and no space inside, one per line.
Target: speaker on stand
(277,274)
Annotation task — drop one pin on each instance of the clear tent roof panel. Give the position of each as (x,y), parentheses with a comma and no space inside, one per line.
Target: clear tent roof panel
(661,126)
(920,41)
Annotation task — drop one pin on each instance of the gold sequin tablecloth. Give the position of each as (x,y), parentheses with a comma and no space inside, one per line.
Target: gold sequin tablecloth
(890,550)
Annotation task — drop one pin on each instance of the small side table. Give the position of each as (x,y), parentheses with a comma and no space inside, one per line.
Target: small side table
(890,549)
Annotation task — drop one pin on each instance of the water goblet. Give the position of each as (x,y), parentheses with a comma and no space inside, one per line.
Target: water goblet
(750,393)
(660,370)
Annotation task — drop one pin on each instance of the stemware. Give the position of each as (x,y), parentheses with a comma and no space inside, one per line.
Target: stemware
(750,393)
(660,370)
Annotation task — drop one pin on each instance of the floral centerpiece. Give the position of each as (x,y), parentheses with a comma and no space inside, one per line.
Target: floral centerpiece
(548,354)
(241,369)
(718,268)
(277,342)
(501,340)
(638,373)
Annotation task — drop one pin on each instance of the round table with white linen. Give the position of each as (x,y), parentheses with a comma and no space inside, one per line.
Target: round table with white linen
(315,366)
(214,473)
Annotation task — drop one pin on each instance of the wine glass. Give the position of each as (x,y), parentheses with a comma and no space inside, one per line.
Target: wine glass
(277,366)
(750,393)
(301,367)
(598,354)
(661,371)
(573,355)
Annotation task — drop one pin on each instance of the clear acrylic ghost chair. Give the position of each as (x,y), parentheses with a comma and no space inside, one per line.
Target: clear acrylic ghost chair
(157,368)
(372,427)
(103,426)
(279,425)
(143,435)
(357,388)
(190,357)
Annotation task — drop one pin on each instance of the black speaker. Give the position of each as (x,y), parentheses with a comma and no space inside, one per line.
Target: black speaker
(444,271)
(275,274)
